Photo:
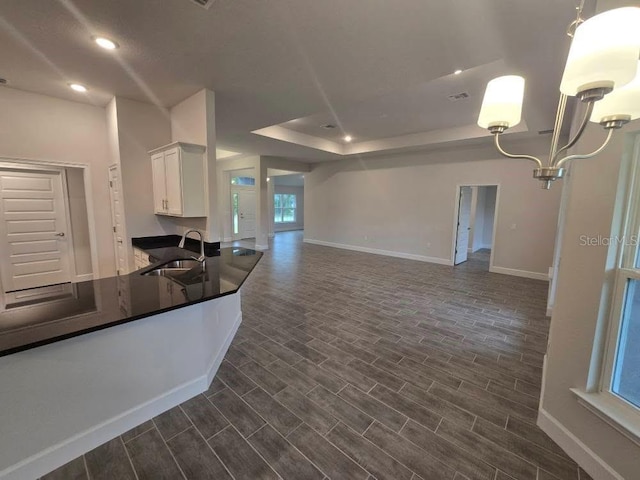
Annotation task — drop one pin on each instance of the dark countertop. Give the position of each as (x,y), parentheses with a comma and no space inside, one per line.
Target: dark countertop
(42,316)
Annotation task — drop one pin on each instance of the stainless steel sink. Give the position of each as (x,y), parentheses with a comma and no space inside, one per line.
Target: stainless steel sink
(173,268)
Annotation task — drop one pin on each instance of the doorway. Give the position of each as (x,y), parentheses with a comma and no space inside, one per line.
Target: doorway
(475,225)
(34,229)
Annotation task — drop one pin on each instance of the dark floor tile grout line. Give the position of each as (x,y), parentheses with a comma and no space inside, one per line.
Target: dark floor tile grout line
(175,434)
(260,428)
(213,451)
(86,467)
(133,438)
(171,453)
(255,450)
(133,468)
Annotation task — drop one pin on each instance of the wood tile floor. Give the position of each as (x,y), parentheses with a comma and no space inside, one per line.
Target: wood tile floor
(356,366)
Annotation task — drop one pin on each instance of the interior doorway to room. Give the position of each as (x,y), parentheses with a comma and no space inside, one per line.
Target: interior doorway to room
(475,224)
(286,201)
(34,229)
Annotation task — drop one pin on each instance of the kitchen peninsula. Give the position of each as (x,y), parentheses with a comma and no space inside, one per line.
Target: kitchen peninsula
(82,363)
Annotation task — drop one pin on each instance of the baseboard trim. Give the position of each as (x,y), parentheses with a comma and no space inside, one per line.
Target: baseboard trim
(376,251)
(573,446)
(216,361)
(520,273)
(82,278)
(35,466)
(47,460)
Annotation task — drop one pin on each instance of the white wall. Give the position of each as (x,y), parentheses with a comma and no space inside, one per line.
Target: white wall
(580,312)
(193,121)
(39,127)
(79,221)
(140,128)
(405,204)
(299,223)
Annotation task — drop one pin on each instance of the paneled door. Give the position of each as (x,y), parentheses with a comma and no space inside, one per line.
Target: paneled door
(464,225)
(117,221)
(34,250)
(244,213)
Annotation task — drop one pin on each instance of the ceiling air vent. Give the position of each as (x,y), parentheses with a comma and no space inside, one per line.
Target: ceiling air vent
(329,126)
(3,81)
(458,96)
(545,132)
(203,3)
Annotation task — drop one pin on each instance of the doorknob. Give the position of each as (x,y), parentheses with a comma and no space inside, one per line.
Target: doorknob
(120,241)
(59,234)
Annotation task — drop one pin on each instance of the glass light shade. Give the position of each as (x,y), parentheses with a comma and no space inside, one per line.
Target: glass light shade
(621,104)
(604,52)
(502,103)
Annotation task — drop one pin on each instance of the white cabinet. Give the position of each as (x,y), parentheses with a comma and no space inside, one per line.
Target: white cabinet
(179,178)
(141,258)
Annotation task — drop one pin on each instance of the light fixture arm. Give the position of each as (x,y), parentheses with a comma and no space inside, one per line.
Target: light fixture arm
(587,155)
(578,134)
(510,155)
(557,125)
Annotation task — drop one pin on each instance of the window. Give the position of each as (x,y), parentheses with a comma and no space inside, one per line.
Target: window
(616,399)
(284,208)
(622,369)
(236,211)
(246,181)
(625,377)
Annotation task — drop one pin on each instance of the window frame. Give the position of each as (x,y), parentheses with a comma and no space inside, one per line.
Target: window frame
(599,396)
(275,209)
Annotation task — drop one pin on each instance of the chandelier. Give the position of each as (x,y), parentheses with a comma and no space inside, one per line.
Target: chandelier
(602,70)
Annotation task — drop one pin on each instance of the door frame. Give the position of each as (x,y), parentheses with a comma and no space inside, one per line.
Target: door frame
(31,164)
(455,220)
(116,168)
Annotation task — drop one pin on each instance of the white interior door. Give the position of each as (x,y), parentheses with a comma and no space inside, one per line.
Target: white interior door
(464,220)
(34,251)
(247,213)
(117,221)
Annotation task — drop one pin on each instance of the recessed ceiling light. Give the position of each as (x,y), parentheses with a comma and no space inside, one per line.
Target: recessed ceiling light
(457,72)
(105,43)
(348,138)
(77,87)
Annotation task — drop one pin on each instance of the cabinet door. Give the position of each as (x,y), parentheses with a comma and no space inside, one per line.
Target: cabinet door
(173,174)
(159,183)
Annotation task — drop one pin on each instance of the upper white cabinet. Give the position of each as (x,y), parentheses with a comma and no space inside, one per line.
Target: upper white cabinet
(179,180)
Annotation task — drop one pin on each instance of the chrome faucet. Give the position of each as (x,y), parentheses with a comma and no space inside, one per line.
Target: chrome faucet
(202,257)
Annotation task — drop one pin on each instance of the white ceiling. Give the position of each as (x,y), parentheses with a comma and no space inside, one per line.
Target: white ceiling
(378,68)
